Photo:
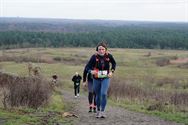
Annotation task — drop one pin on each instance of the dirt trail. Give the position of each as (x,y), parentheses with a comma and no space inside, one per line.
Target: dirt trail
(115,115)
(2,121)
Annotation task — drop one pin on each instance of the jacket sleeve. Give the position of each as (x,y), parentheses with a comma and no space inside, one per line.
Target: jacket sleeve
(73,79)
(85,74)
(113,62)
(91,63)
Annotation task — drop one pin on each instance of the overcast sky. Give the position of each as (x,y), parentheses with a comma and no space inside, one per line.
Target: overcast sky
(144,10)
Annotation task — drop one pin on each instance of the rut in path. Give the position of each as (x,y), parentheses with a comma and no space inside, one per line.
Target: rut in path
(115,115)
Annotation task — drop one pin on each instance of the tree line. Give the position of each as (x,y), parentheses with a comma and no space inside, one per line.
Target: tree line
(149,36)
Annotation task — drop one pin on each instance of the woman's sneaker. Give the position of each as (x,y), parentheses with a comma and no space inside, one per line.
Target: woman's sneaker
(94,110)
(98,115)
(90,109)
(102,114)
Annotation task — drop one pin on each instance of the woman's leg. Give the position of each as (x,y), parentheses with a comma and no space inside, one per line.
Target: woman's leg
(93,97)
(90,97)
(97,90)
(90,101)
(104,88)
(94,102)
(90,91)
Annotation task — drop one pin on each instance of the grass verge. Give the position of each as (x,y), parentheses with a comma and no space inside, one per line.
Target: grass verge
(48,115)
(178,117)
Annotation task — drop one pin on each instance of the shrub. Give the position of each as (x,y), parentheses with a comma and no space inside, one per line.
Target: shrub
(163,61)
(57,59)
(183,66)
(179,99)
(157,99)
(20,59)
(25,91)
(120,89)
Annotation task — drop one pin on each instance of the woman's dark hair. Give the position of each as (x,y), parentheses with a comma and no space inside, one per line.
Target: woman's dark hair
(103,44)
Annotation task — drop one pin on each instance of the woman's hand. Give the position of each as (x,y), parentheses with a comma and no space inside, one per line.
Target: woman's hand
(84,84)
(93,72)
(110,74)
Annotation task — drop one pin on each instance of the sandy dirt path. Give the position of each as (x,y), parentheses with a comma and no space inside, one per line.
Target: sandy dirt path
(115,115)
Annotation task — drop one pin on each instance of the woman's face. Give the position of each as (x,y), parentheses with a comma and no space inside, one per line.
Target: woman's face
(101,50)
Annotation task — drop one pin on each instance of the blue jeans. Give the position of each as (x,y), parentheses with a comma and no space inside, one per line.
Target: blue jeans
(101,87)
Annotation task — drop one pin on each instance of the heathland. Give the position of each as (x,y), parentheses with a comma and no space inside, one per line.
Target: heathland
(151,81)
(151,75)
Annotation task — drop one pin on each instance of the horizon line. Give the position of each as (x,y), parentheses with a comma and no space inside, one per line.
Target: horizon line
(59,18)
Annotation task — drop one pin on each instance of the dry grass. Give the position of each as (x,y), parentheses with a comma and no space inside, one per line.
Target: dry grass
(138,76)
(125,89)
(20,59)
(157,99)
(24,91)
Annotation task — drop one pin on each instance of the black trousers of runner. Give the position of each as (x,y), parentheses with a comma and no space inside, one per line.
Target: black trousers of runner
(91,98)
(76,89)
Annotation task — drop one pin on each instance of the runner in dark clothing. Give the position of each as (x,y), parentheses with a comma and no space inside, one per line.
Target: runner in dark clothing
(76,79)
(99,67)
(91,93)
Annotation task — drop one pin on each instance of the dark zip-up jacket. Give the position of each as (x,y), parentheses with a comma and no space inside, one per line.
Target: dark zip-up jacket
(76,79)
(101,62)
(86,74)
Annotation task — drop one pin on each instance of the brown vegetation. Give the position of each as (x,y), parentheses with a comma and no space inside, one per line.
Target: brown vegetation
(70,60)
(20,59)
(162,61)
(157,99)
(148,54)
(179,61)
(122,89)
(33,70)
(24,91)
(183,66)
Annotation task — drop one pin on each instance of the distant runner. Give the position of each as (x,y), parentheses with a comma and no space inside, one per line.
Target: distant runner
(76,79)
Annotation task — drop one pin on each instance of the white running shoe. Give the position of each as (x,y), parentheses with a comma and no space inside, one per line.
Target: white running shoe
(78,94)
(98,115)
(102,114)
(75,96)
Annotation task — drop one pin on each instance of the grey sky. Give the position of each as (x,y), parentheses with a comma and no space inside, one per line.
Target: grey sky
(148,10)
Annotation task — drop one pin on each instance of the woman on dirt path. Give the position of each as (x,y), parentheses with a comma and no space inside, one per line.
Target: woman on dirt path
(99,67)
(91,93)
